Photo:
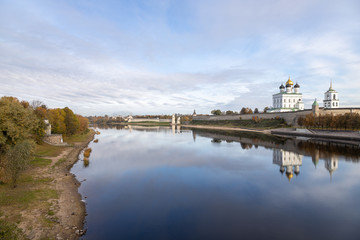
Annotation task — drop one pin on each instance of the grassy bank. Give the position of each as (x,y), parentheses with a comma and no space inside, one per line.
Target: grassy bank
(251,124)
(31,210)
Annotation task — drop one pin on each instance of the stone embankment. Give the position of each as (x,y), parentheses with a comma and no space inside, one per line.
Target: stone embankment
(289,117)
(353,136)
(319,134)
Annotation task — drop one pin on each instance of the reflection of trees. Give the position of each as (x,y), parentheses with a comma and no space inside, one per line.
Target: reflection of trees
(314,148)
(109,126)
(326,150)
(216,140)
(246,146)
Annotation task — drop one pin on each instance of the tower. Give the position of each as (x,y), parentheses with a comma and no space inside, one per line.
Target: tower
(331,98)
(315,107)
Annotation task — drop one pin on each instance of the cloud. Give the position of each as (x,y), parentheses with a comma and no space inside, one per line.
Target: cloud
(171,56)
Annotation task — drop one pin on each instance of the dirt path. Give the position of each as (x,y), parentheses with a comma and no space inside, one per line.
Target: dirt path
(61,215)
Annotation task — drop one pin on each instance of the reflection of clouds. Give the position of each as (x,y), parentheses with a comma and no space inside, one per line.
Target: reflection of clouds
(139,152)
(150,177)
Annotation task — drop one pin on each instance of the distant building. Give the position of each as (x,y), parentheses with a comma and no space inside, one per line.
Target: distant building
(331,98)
(288,99)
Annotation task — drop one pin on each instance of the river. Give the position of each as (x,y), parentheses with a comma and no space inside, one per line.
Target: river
(163,183)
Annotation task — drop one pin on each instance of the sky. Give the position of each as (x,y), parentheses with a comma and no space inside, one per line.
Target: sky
(118,57)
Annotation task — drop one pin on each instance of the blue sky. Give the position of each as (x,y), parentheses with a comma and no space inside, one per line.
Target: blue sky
(154,57)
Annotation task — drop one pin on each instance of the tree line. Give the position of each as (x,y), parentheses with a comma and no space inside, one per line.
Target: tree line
(347,121)
(244,110)
(22,125)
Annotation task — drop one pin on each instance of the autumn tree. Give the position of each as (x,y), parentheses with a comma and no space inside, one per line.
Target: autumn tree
(18,124)
(57,120)
(71,122)
(83,124)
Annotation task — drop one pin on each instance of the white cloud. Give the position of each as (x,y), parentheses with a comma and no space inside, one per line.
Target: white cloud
(141,60)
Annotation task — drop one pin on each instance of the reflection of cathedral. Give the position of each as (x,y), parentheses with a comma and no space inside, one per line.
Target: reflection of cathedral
(288,161)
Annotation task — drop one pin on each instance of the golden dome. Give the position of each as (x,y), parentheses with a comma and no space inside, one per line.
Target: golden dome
(289,82)
(289,176)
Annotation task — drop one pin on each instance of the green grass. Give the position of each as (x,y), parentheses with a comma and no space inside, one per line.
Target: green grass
(40,162)
(10,231)
(262,124)
(25,197)
(29,179)
(47,150)
(77,137)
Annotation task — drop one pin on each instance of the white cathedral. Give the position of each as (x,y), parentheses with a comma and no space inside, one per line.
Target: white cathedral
(289,99)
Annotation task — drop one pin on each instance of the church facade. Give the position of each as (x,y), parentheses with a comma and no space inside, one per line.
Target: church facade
(289,98)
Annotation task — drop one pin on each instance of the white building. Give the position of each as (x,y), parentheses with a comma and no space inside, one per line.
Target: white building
(288,161)
(288,99)
(331,98)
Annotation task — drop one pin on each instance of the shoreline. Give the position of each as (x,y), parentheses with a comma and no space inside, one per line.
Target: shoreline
(46,203)
(70,199)
(263,131)
(290,132)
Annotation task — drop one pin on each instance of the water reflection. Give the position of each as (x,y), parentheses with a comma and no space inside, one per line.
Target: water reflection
(152,183)
(288,152)
(288,161)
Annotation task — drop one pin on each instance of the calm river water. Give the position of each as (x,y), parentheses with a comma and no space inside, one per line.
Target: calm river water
(163,183)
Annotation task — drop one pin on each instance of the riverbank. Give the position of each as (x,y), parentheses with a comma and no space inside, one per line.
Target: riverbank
(238,129)
(46,204)
(353,136)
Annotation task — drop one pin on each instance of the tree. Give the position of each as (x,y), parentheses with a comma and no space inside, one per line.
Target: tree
(17,159)
(83,124)
(36,103)
(246,111)
(228,112)
(256,110)
(18,125)
(216,112)
(266,109)
(71,122)
(57,120)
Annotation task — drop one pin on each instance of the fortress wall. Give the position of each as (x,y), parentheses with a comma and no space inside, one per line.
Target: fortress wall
(289,117)
(337,111)
(150,120)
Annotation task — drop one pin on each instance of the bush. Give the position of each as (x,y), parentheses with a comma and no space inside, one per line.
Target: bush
(87,152)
